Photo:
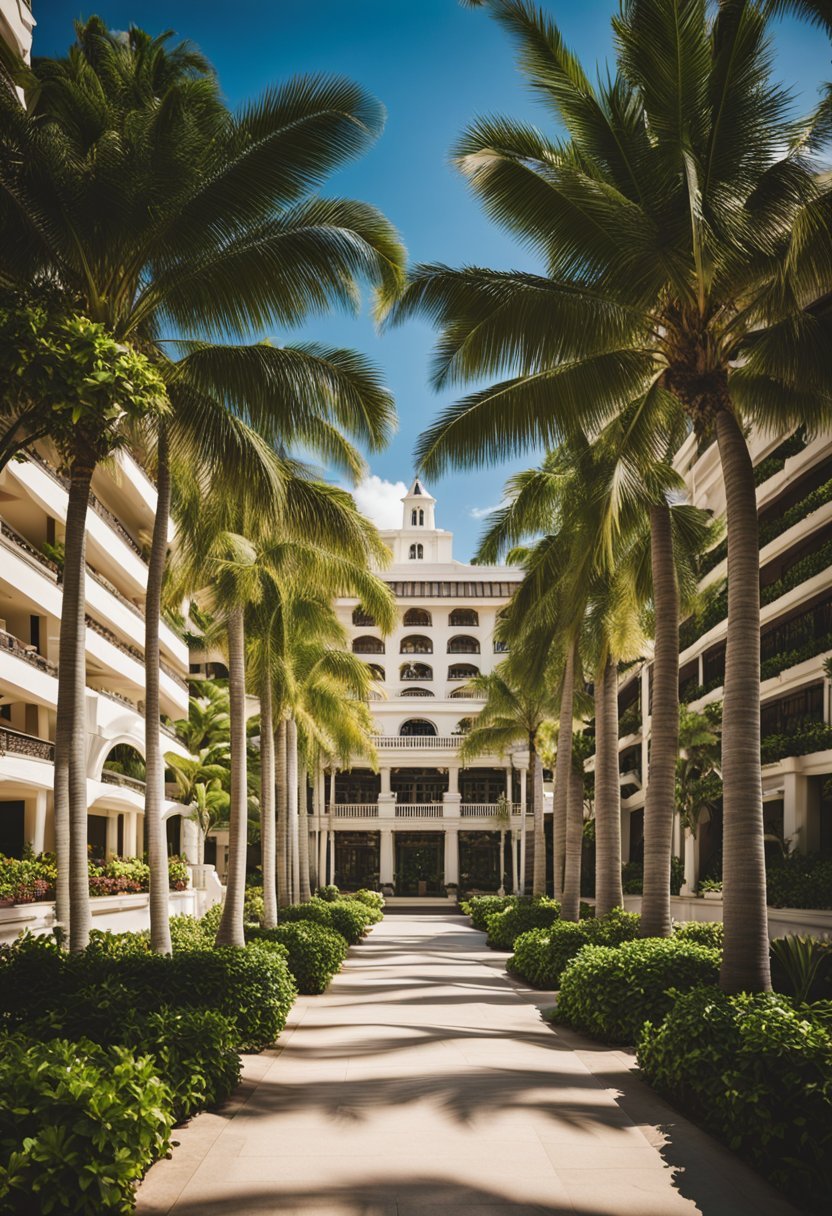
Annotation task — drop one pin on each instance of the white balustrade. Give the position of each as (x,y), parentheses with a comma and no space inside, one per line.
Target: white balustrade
(430,742)
(419,810)
(354,810)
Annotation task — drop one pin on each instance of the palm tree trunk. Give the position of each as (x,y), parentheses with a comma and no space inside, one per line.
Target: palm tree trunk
(571,901)
(231,931)
(292,817)
(71,835)
(284,894)
(563,765)
(664,730)
(608,893)
(304,887)
(155,776)
(267,803)
(745,960)
(536,778)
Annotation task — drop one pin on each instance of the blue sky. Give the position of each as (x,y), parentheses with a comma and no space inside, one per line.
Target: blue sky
(435,66)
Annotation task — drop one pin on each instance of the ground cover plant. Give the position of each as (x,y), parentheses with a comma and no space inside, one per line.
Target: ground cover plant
(540,955)
(609,992)
(756,1071)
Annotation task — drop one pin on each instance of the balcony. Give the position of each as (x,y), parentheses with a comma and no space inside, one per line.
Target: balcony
(26,652)
(354,810)
(418,742)
(127,783)
(13,742)
(419,810)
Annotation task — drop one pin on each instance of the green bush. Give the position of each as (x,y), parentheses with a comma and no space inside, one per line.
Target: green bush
(541,955)
(611,991)
(316,911)
(315,952)
(348,917)
(757,1072)
(189,933)
(632,876)
(480,907)
(254,908)
(801,880)
(211,921)
(79,1125)
(328,893)
(118,945)
(506,926)
(801,966)
(705,932)
(372,901)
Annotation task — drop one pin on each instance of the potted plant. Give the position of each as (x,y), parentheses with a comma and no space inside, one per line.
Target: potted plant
(711,888)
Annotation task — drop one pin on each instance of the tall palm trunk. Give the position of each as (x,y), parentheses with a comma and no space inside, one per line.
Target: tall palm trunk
(539,866)
(155,775)
(231,931)
(292,792)
(563,765)
(660,802)
(71,832)
(284,894)
(571,899)
(536,776)
(267,802)
(304,887)
(745,960)
(608,892)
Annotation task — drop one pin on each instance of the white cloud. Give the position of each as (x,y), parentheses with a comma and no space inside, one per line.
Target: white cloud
(484,512)
(380,500)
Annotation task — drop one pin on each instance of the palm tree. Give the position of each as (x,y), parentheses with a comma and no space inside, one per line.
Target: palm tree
(665,222)
(698,778)
(512,716)
(217,228)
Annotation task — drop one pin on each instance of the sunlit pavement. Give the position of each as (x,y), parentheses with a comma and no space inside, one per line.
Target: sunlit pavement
(425,1082)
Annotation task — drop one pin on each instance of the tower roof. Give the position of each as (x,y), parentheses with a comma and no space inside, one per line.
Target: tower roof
(417,490)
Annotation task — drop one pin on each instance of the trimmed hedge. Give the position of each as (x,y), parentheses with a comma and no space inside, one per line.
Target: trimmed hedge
(480,907)
(315,953)
(801,880)
(505,927)
(348,917)
(755,1070)
(609,992)
(541,955)
(79,1125)
(372,902)
(705,932)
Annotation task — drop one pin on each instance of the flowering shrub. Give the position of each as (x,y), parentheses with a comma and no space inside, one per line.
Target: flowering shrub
(28,879)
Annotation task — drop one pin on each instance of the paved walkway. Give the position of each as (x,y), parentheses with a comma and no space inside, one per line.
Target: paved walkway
(425,1082)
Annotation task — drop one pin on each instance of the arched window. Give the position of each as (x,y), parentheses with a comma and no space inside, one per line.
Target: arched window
(362,618)
(216,671)
(501,647)
(416,643)
(417,552)
(463,645)
(413,518)
(367,645)
(463,671)
(416,692)
(417,616)
(461,692)
(464,616)
(421,519)
(376,671)
(415,671)
(418,727)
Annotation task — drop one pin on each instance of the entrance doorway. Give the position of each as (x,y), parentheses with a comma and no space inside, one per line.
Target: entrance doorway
(356,860)
(419,863)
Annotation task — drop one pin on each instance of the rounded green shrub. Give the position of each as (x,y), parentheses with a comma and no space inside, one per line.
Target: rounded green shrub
(348,917)
(316,910)
(611,991)
(315,952)
(373,899)
(190,933)
(541,955)
(705,932)
(756,1071)
(79,1125)
(254,908)
(329,893)
(505,927)
(480,907)
(118,945)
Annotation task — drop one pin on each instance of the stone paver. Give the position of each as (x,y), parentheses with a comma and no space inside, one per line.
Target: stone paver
(425,1082)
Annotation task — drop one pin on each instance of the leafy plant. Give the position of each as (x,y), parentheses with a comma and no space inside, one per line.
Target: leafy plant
(801,963)
(480,907)
(705,932)
(538,912)
(609,992)
(329,893)
(541,955)
(756,1071)
(710,884)
(315,952)
(350,918)
(632,876)
(800,880)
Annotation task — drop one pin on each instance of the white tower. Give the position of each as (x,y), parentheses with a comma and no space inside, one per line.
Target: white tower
(418,509)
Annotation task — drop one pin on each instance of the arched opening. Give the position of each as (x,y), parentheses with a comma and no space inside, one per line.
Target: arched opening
(417,552)
(416,692)
(415,671)
(418,728)
(216,671)
(367,645)
(464,617)
(413,518)
(376,671)
(463,644)
(123,760)
(416,643)
(364,620)
(460,693)
(463,671)
(421,519)
(417,616)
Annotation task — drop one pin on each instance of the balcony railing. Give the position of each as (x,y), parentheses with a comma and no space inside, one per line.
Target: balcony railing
(28,653)
(95,503)
(419,810)
(470,810)
(18,744)
(415,742)
(30,551)
(133,651)
(130,783)
(354,810)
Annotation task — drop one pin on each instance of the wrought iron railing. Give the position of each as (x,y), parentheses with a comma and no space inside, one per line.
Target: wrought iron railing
(130,783)
(28,653)
(18,744)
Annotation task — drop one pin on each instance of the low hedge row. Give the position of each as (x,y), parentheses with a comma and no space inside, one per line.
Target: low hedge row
(349,917)
(541,955)
(314,952)
(480,907)
(611,991)
(505,927)
(756,1070)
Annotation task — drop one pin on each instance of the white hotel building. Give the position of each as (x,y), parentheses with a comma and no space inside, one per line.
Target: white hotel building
(423,820)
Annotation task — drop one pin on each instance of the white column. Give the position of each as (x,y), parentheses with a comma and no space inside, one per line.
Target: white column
(384,773)
(331,877)
(322,846)
(332,772)
(130,839)
(386,857)
(36,822)
(523,777)
(522,887)
(509,787)
(189,841)
(451,855)
(514,874)
(798,820)
(111,846)
(453,779)
(691,847)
